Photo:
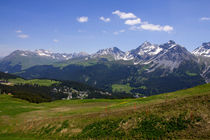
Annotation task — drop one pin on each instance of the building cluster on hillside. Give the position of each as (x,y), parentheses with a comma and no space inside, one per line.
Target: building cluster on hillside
(76,94)
(72,93)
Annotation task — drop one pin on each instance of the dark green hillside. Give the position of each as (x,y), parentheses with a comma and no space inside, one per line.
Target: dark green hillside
(104,74)
(7,76)
(45,90)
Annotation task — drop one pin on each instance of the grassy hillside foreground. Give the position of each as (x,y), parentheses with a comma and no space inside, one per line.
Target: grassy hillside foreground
(182,114)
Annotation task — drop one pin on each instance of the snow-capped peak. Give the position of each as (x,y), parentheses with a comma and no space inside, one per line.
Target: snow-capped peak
(203,50)
(109,51)
(146,49)
(114,52)
(48,54)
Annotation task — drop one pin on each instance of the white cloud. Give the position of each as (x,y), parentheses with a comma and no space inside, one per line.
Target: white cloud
(55,40)
(18,31)
(118,32)
(205,18)
(23,36)
(152,27)
(82,19)
(168,28)
(133,21)
(105,19)
(123,15)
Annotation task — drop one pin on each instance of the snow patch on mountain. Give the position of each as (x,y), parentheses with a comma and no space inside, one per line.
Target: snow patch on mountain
(44,53)
(128,56)
(148,49)
(169,55)
(49,54)
(114,52)
(203,50)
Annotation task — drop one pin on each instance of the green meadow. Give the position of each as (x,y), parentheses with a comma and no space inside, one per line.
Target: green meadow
(121,88)
(183,114)
(40,82)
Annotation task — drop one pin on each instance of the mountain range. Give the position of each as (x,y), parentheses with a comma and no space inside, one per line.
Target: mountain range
(148,69)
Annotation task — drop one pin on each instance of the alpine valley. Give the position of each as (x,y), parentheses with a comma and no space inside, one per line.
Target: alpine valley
(147,70)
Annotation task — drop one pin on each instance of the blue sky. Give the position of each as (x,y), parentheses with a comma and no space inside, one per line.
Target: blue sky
(89,25)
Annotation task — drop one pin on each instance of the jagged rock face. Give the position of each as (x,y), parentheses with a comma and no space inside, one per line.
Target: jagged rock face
(145,52)
(203,55)
(171,56)
(203,50)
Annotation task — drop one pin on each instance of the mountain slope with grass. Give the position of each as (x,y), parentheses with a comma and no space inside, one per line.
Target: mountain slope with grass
(183,114)
(104,74)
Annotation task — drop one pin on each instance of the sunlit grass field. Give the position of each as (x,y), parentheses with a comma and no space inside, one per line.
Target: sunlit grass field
(40,82)
(182,114)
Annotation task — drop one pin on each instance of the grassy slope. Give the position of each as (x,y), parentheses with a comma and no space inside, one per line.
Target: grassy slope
(29,61)
(112,118)
(121,88)
(40,82)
